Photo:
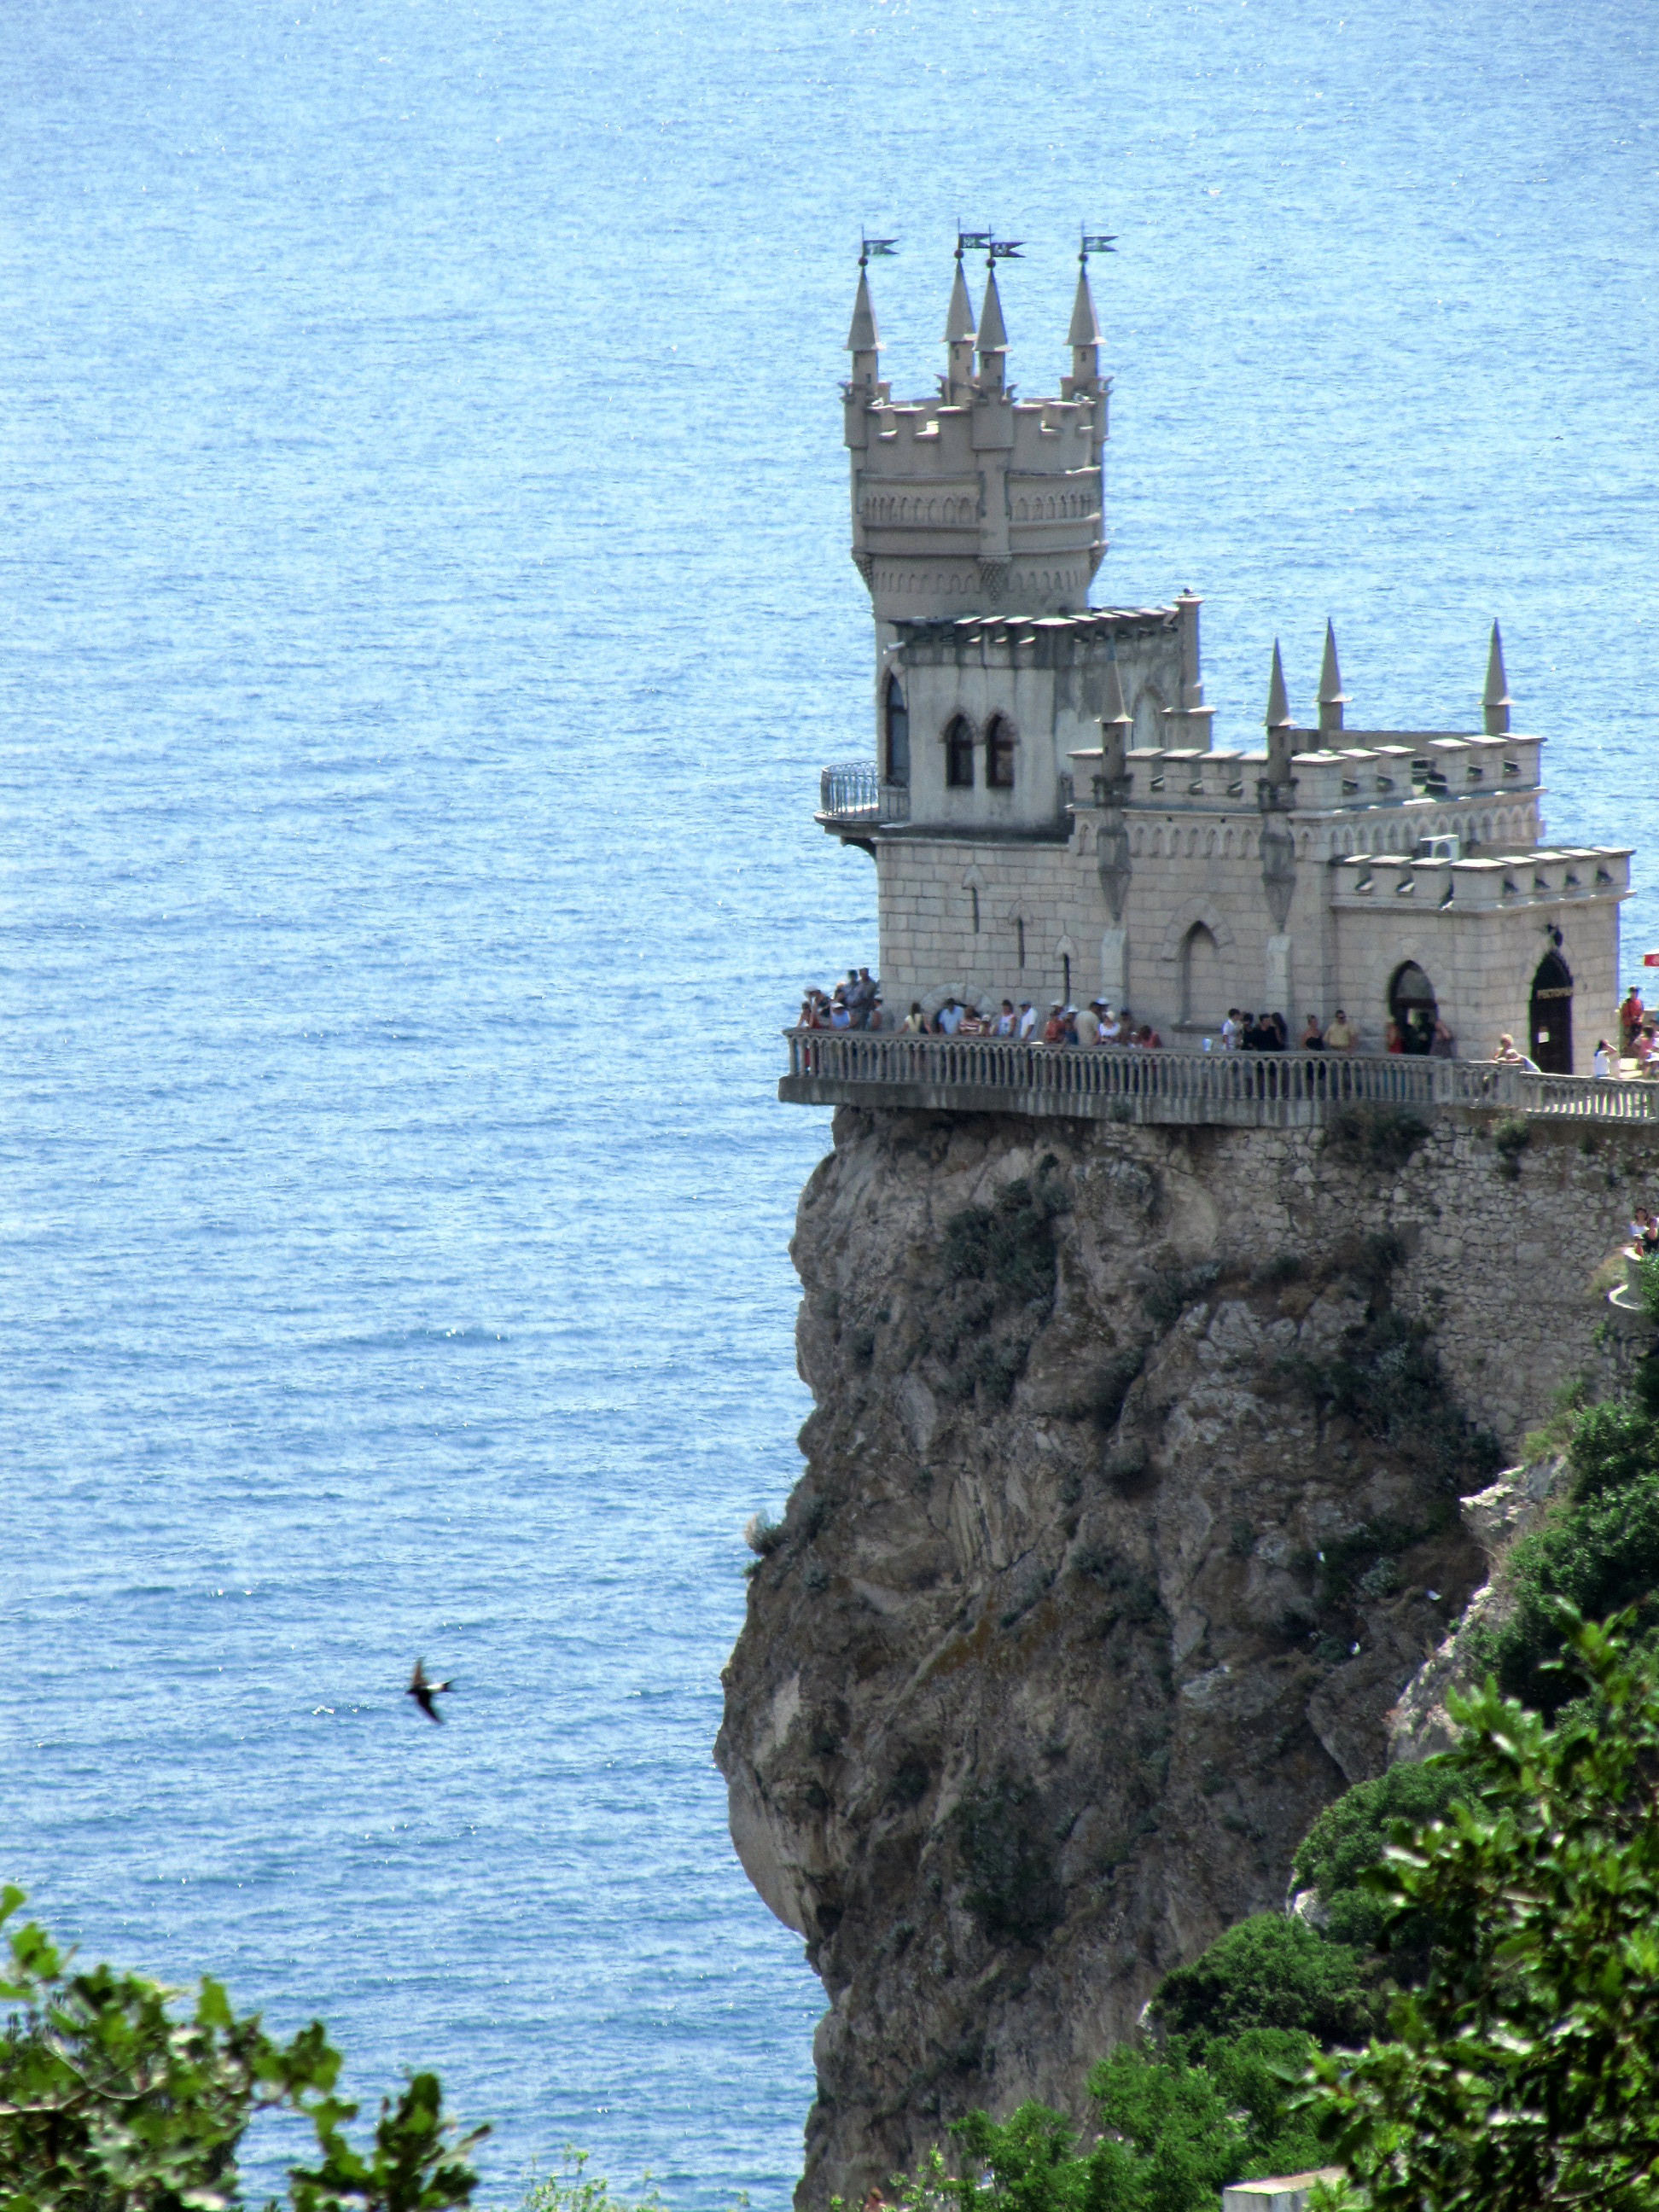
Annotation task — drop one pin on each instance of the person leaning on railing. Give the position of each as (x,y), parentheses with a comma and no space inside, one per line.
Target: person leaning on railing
(1509,1055)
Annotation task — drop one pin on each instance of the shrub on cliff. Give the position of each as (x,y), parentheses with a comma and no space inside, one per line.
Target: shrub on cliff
(1172,2134)
(1525,2072)
(1009,1245)
(1383,1137)
(1270,1971)
(112,2100)
(1350,1838)
(1013,1888)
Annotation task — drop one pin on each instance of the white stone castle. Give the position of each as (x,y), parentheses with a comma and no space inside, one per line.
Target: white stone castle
(1049,819)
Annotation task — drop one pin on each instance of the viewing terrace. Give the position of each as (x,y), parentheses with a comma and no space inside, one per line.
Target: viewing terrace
(1245,1090)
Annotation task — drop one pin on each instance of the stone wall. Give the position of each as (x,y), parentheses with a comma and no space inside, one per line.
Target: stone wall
(1128,1510)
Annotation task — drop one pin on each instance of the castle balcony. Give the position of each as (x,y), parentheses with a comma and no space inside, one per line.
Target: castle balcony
(1247,1090)
(852,796)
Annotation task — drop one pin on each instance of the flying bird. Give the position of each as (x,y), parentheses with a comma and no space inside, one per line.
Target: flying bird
(423,1692)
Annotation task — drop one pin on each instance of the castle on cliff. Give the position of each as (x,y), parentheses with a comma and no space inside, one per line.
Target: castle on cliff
(1047,814)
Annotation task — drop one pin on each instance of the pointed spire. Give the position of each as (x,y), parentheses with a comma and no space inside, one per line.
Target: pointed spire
(959,336)
(1496,701)
(1279,704)
(993,336)
(959,323)
(1332,697)
(1085,326)
(863,336)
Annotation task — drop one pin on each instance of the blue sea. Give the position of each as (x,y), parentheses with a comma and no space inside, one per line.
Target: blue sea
(424,608)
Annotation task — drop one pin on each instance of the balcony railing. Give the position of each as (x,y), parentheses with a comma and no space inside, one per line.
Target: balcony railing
(1114,1083)
(853,793)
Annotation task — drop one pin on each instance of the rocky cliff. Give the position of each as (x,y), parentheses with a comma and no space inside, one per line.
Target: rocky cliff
(1130,1507)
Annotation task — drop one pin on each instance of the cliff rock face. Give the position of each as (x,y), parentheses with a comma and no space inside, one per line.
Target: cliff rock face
(1130,1508)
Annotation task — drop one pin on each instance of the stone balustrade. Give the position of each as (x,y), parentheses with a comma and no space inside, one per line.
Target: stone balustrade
(1106,1083)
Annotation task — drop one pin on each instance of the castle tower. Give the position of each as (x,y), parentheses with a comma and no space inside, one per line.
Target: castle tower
(976,501)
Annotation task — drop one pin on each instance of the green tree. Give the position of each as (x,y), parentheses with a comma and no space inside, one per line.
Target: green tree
(110,2102)
(1269,1971)
(1525,2071)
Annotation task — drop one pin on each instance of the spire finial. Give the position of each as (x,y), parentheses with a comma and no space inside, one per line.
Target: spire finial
(1278,705)
(1332,697)
(1495,700)
(993,339)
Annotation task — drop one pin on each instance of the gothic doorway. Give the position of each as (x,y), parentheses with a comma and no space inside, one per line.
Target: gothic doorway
(1413,1008)
(1552,1016)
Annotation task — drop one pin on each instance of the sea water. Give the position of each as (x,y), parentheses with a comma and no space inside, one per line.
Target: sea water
(424,608)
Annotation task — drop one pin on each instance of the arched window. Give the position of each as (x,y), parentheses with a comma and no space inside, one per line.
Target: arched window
(898,733)
(1201,978)
(1413,1007)
(959,755)
(999,755)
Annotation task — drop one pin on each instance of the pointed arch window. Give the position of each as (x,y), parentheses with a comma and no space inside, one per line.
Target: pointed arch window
(959,755)
(897,734)
(999,755)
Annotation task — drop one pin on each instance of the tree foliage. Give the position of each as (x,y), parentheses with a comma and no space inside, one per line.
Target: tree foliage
(111,2101)
(1525,2071)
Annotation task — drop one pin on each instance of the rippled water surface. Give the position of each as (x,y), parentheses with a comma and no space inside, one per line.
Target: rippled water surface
(425,610)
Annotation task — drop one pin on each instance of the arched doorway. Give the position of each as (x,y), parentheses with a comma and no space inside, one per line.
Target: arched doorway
(1552,1016)
(1413,1007)
(1201,979)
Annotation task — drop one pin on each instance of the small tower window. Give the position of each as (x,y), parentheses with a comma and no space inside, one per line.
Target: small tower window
(898,733)
(999,755)
(959,756)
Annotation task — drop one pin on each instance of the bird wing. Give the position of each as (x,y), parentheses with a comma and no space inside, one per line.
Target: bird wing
(423,1699)
(417,1680)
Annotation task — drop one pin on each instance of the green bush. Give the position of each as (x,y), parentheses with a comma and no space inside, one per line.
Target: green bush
(1270,1971)
(1599,1556)
(1526,2071)
(1375,1136)
(1013,1888)
(112,2101)
(1009,1243)
(1648,1287)
(1168,1297)
(1613,1444)
(1349,1838)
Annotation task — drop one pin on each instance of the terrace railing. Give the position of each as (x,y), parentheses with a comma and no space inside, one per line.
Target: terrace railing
(854,793)
(1116,1083)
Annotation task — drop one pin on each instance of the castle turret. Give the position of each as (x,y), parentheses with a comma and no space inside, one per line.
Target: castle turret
(974,502)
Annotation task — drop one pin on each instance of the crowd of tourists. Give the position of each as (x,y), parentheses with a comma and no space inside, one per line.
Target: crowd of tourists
(857,1004)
